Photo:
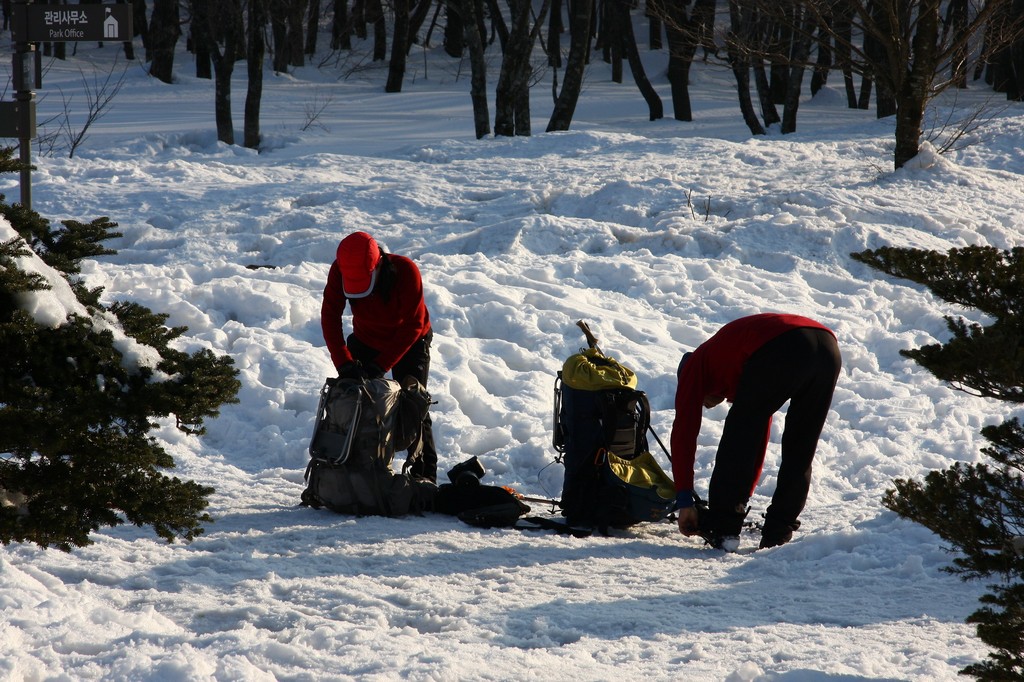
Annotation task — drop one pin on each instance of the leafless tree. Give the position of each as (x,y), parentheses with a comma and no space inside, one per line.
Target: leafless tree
(164,31)
(255,53)
(579,48)
(400,41)
(341,27)
(896,45)
(686,25)
(312,26)
(478,88)
(625,39)
(512,91)
(315,108)
(287,28)
(221,19)
(912,58)
(99,96)
(742,45)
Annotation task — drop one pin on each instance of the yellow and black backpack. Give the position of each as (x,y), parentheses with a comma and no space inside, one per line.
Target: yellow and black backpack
(600,426)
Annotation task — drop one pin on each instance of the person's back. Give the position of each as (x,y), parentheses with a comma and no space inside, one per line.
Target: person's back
(758,363)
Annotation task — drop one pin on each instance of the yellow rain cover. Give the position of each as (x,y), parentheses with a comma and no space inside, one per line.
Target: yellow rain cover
(589,370)
(644,472)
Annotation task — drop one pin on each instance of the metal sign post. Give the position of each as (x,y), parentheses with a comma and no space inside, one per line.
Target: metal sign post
(31,24)
(22,111)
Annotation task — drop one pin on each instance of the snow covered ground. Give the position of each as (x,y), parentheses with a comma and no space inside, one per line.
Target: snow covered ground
(656,233)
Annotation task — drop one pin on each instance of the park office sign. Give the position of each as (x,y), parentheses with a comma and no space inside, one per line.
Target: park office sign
(35,23)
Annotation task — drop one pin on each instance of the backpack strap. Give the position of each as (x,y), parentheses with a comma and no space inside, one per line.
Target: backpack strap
(560,527)
(350,437)
(643,422)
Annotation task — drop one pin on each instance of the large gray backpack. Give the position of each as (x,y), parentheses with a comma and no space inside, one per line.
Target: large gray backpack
(360,424)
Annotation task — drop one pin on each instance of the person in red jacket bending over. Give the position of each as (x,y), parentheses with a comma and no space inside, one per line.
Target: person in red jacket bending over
(757,363)
(390,326)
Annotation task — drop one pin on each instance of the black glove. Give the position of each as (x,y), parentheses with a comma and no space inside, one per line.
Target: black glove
(351,370)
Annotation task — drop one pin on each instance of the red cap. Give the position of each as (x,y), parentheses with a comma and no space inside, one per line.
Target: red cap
(358,256)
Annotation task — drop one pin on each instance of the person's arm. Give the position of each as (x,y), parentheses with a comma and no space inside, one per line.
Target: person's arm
(685,429)
(331,311)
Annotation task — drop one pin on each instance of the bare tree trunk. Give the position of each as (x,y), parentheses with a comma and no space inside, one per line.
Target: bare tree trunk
(739,60)
(481,25)
(164,32)
(139,24)
(613,28)
(779,37)
(683,33)
(654,13)
(454,29)
(359,18)
(223,19)
(399,47)
(255,54)
(956,21)
(627,41)
(704,16)
(915,93)
(800,55)
(296,52)
(312,26)
(514,75)
(1015,90)
(844,40)
(880,58)
(478,80)
(200,46)
(579,48)
(416,19)
(758,29)
(554,47)
(129,48)
(824,62)
(498,24)
(769,114)
(521,104)
(1005,68)
(341,27)
(279,31)
(375,16)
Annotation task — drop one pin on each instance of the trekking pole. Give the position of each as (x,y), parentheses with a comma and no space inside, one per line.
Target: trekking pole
(539,500)
(663,448)
(591,339)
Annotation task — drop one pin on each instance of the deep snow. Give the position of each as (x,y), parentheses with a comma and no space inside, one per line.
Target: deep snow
(656,233)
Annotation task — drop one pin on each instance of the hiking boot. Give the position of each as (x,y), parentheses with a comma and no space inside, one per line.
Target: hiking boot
(468,473)
(777,533)
(721,529)
(727,543)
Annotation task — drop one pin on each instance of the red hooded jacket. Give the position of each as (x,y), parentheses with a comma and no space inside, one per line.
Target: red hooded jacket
(390,326)
(714,369)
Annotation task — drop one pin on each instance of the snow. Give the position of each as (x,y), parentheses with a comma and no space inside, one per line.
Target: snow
(656,233)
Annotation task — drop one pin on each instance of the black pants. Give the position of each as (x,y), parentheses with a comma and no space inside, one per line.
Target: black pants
(415,363)
(801,366)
